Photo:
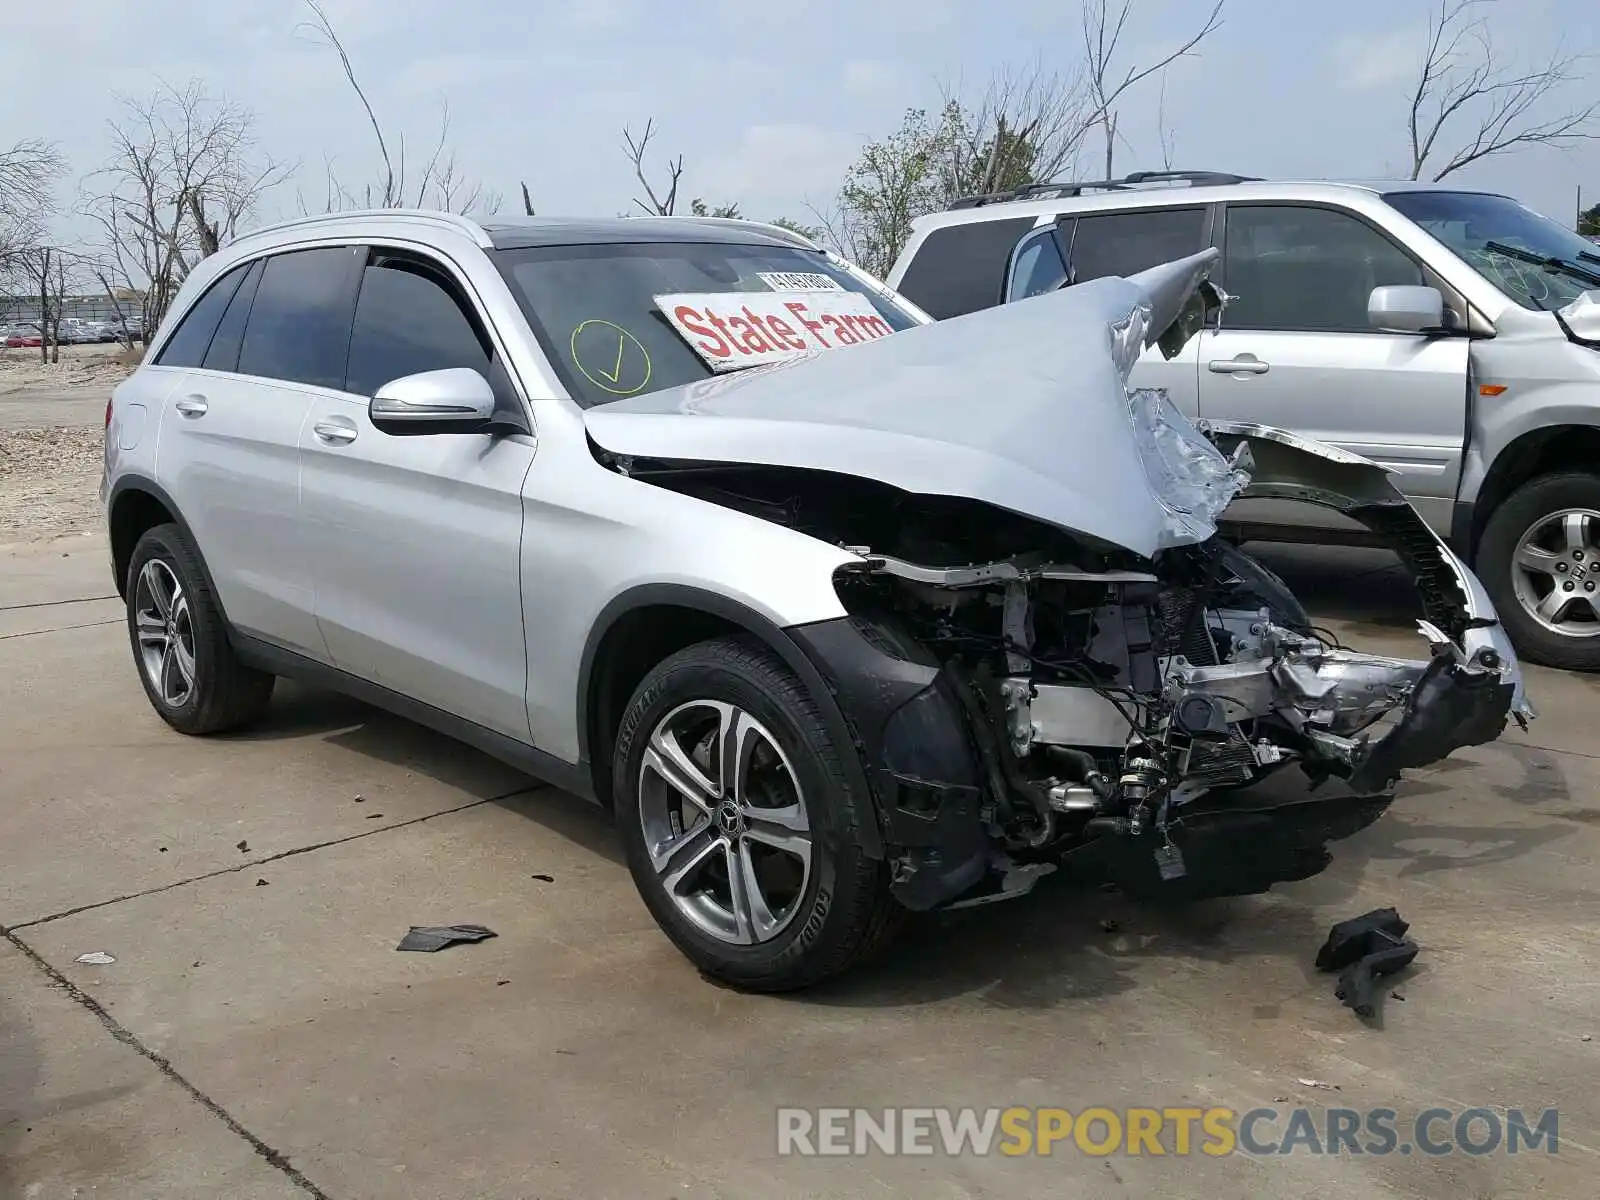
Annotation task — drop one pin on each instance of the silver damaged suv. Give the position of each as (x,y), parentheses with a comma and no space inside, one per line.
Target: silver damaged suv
(844,613)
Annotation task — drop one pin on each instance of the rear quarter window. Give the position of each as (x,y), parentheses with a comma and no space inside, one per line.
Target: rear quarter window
(961,268)
(187,345)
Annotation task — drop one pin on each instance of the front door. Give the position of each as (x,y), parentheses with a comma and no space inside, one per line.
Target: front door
(415,540)
(1295,350)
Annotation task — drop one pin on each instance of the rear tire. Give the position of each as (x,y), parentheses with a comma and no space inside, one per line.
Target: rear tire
(810,911)
(190,673)
(1512,537)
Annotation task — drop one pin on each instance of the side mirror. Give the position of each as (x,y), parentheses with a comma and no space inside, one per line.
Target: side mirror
(1406,309)
(456,400)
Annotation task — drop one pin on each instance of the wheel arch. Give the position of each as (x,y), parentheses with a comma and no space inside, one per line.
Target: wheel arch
(646,624)
(136,505)
(1547,450)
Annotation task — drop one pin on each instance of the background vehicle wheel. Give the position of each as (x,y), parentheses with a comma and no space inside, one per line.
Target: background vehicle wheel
(1540,562)
(740,825)
(180,645)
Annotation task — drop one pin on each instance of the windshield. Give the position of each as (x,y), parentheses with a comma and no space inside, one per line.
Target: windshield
(1529,257)
(594,308)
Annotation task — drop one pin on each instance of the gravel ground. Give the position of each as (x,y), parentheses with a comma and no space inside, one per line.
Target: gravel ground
(80,366)
(49,482)
(50,474)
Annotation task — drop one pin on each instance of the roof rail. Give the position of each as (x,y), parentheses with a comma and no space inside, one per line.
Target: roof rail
(454,221)
(1130,182)
(783,231)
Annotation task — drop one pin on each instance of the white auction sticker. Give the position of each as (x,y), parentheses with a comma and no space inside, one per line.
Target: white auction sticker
(729,330)
(799,281)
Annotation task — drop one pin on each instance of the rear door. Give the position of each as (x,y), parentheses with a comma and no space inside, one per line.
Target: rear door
(1295,350)
(251,349)
(414,541)
(1095,245)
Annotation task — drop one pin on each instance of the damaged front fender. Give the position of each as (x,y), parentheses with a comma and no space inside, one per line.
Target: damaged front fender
(1472,681)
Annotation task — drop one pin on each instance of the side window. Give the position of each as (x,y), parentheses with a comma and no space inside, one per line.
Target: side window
(1126,243)
(961,268)
(187,345)
(1299,268)
(224,352)
(1038,268)
(410,318)
(299,326)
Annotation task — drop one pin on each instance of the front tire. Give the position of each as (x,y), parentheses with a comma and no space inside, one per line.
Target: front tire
(740,824)
(1539,560)
(190,673)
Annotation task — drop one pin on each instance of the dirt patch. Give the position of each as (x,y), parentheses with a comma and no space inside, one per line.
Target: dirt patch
(87,366)
(49,482)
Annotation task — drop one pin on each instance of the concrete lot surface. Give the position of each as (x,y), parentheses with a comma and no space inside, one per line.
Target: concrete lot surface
(258,1036)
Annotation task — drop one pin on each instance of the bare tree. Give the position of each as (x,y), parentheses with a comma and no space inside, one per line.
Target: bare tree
(1497,106)
(28,175)
(1164,131)
(44,270)
(664,202)
(1103,24)
(184,172)
(1026,127)
(440,183)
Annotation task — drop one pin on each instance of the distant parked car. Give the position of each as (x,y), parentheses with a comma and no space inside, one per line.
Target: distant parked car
(24,333)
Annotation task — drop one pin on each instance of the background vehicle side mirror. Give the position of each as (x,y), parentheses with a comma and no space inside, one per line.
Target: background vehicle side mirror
(455,400)
(1406,309)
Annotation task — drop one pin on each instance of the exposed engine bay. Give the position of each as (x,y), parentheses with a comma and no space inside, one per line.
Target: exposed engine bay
(1030,699)
(1051,660)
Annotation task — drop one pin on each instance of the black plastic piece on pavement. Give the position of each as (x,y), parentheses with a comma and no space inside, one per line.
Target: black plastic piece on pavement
(1363,950)
(429,938)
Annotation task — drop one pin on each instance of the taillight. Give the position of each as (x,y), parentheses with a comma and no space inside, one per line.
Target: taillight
(108,412)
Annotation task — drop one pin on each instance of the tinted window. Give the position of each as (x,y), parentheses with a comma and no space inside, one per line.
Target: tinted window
(1038,268)
(961,268)
(1297,268)
(187,345)
(299,327)
(1126,243)
(224,352)
(409,319)
(594,310)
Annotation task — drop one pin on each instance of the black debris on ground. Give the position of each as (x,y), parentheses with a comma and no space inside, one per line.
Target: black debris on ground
(1363,950)
(429,938)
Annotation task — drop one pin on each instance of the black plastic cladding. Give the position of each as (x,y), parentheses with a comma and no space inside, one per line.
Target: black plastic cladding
(913,742)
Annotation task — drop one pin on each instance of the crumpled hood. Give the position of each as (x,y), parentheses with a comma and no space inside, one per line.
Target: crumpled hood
(1582,316)
(1024,406)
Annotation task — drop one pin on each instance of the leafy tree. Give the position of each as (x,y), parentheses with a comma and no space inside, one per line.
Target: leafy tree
(1589,222)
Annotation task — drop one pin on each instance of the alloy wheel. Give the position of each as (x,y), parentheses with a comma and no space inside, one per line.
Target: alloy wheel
(164,626)
(725,822)
(1555,572)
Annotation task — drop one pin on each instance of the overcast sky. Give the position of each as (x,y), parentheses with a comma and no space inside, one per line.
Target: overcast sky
(768,102)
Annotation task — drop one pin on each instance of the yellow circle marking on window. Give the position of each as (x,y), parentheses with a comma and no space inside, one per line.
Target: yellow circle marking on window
(611,358)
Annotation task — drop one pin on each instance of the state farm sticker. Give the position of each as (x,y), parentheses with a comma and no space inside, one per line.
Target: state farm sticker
(729,330)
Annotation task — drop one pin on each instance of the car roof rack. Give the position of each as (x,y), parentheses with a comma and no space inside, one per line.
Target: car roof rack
(1131,182)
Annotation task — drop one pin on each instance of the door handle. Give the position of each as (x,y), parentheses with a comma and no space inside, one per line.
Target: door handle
(191,406)
(1245,364)
(336,431)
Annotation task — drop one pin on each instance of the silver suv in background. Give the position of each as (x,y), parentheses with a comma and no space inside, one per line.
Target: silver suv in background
(1450,335)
